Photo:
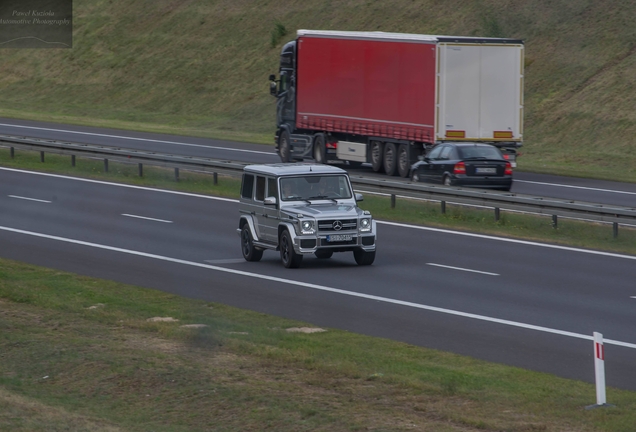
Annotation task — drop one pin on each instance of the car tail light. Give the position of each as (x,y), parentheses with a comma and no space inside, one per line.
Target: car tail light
(508,170)
(460,168)
(506,156)
(332,145)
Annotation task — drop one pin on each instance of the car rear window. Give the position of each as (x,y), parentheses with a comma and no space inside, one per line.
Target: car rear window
(479,152)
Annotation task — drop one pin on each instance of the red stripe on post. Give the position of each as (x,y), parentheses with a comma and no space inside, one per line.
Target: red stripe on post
(600,351)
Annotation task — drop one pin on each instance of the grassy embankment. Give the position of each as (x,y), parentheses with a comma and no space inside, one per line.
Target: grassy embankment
(80,354)
(200,68)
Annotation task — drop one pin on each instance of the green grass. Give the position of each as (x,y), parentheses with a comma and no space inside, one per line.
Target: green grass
(201,68)
(80,354)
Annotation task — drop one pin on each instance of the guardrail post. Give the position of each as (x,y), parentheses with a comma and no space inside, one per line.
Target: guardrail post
(392,201)
(615,229)
(176,174)
(41,156)
(216,178)
(443,207)
(105,165)
(497,214)
(72,160)
(555,221)
(141,170)
(12,152)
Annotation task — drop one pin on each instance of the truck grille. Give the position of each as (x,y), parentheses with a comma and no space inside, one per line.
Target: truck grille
(332,224)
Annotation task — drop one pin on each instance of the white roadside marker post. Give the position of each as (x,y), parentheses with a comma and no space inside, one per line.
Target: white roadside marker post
(599,372)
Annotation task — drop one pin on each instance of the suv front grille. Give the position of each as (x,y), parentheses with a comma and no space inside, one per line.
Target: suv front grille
(328,225)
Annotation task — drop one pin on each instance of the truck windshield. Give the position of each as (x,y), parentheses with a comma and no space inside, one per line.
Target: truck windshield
(314,188)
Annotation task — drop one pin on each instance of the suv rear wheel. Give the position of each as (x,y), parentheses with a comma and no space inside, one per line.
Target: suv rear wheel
(288,255)
(323,254)
(363,257)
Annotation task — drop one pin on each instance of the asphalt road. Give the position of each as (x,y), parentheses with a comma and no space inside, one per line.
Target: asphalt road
(578,189)
(505,301)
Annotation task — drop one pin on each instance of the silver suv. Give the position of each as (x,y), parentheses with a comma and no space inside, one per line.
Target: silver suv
(301,209)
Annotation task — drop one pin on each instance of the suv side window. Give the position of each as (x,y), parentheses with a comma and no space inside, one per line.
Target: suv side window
(259,194)
(272,190)
(248,186)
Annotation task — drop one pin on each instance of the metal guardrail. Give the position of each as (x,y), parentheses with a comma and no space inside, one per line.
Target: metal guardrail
(496,200)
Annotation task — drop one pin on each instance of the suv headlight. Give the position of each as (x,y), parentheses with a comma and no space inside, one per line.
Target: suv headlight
(365,225)
(307,226)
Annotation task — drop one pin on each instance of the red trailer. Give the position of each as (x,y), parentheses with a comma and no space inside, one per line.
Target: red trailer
(386,98)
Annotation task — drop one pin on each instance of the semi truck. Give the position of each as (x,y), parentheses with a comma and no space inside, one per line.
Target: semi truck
(387,98)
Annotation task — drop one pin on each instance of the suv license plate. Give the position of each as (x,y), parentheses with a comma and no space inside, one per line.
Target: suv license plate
(486,170)
(338,237)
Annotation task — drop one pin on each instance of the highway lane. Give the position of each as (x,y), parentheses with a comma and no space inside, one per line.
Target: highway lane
(578,189)
(147,141)
(556,288)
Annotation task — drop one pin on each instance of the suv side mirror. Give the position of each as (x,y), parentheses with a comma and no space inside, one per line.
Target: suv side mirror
(359,197)
(270,200)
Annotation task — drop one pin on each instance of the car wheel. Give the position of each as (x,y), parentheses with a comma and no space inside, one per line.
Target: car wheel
(377,155)
(447,181)
(363,257)
(288,255)
(390,159)
(250,253)
(403,161)
(323,254)
(319,149)
(284,149)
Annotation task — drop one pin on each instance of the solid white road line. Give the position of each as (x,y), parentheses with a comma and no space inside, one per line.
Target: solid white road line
(321,288)
(119,185)
(417,227)
(463,269)
(29,199)
(146,218)
(139,139)
(576,187)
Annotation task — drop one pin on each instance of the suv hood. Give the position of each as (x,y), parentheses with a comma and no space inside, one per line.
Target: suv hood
(330,210)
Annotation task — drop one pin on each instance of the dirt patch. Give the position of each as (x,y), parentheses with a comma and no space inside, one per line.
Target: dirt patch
(305,330)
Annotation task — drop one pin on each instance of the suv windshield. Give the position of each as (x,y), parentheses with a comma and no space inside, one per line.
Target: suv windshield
(314,187)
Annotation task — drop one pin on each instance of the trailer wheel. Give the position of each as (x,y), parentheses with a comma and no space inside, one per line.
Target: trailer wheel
(377,155)
(390,159)
(319,149)
(284,148)
(403,161)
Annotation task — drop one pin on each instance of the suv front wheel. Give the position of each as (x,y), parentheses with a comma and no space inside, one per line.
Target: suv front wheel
(288,255)
(250,253)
